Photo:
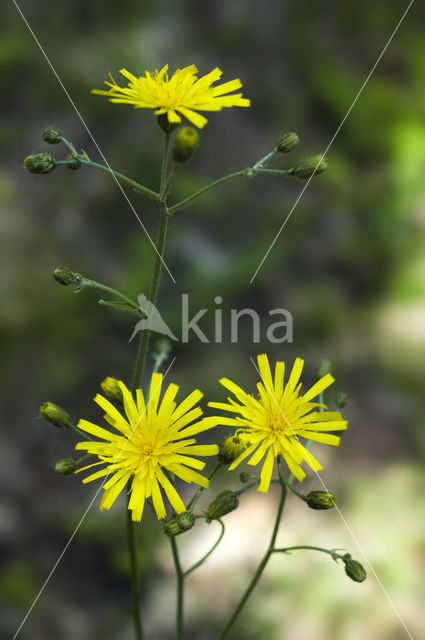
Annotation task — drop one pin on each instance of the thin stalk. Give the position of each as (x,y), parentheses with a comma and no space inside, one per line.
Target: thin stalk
(135,582)
(208,187)
(159,257)
(198,494)
(140,362)
(264,561)
(330,552)
(180,588)
(85,282)
(207,555)
(260,164)
(120,176)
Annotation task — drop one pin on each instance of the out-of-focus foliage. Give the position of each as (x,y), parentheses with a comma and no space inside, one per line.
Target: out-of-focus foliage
(349,264)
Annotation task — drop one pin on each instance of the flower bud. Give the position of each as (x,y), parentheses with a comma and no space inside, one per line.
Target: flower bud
(40,163)
(246,477)
(185,144)
(354,569)
(180,524)
(65,467)
(287,142)
(112,389)
(230,449)
(165,124)
(74,162)
(310,166)
(341,399)
(324,368)
(320,500)
(55,415)
(52,135)
(64,276)
(225,502)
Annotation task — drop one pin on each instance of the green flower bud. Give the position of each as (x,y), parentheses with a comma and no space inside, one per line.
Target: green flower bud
(230,449)
(64,276)
(309,167)
(165,124)
(354,569)
(225,502)
(52,135)
(185,144)
(40,163)
(180,524)
(246,477)
(324,368)
(65,467)
(341,399)
(74,162)
(320,500)
(112,389)
(287,142)
(55,415)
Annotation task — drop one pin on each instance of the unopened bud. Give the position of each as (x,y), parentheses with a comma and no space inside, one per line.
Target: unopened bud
(55,415)
(180,524)
(354,569)
(112,389)
(65,467)
(246,477)
(225,502)
(341,399)
(320,500)
(185,144)
(230,449)
(287,142)
(64,276)
(324,368)
(40,163)
(307,168)
(52,135)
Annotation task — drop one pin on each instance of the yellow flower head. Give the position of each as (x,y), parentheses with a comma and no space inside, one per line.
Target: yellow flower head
(153,437)
(183,93)
(272,424)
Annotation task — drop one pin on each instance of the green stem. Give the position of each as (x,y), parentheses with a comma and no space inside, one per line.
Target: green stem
(215,545)
(264,561)
(120,176)
(331,552)
(260,164)
(198,494)
(85,282)
(159,258)
(135,582)
(140,362)
(180,588)
(273,172)
(208,187)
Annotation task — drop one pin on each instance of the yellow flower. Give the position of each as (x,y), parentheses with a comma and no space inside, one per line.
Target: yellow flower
(272,424)
(184,92)
(153,438)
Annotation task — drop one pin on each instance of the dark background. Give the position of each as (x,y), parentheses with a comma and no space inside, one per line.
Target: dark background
(349,265)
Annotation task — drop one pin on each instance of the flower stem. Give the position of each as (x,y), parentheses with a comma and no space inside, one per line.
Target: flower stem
(140,362)
(264,561)
(180,589)
(331,552)
(159,258)
(135,582)
(198,494)
(207,555)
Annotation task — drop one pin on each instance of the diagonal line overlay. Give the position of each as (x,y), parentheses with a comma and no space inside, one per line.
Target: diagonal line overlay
(83,122)
(86,512)
(347,526)
(332,140)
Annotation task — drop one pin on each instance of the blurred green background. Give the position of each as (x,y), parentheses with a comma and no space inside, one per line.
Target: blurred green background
(349,265)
